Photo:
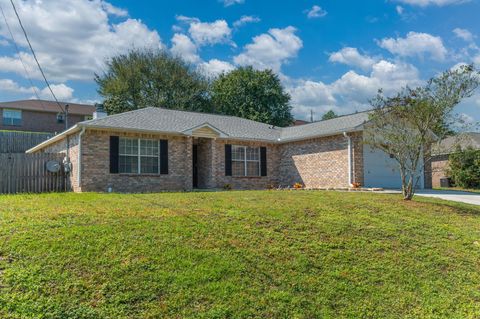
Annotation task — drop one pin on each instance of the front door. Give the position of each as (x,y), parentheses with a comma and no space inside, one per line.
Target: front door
(195,166)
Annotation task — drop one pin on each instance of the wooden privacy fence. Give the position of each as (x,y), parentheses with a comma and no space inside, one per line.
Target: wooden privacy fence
(19,142)
(27,173)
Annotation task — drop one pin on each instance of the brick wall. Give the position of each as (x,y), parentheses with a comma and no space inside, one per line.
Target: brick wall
(96,165)
(317,163)
(435,169)
(236,182)
(41,122)
(357,158)
(321,162)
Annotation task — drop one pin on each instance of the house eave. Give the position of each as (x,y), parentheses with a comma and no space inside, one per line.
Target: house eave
(304,138)
(76,128)
(54,139)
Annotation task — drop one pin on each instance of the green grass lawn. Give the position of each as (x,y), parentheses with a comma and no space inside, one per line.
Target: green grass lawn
(270,254)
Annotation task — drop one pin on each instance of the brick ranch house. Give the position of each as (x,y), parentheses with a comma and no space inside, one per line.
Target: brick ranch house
(437,167)
(155,149)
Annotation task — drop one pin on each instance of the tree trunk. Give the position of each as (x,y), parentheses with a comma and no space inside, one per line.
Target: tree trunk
(408,193)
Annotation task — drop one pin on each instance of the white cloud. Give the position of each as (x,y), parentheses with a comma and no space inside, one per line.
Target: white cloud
(11,86)
(351,56)
(425,3)
(476,60)
(463,34)
(352,91)
(72,38)
(399,10)
(315,12)
(244,20)
(204,33)
(228,3)
(416,44)
(183,47)
(311,95)
(61,91)
(271,50)
(115,11)
(385,75)
(215,67)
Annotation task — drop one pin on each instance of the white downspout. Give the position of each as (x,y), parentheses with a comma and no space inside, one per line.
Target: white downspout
(79,172)
(349,139)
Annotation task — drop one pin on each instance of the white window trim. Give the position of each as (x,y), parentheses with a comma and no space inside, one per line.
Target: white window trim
(139,156)
(245,161)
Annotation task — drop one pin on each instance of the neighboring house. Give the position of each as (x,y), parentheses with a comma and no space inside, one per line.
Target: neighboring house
(437,168)
(41,116)
(299,122)
(154,149)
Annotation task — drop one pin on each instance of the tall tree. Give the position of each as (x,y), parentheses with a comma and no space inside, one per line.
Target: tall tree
(144,78)
(329,115)
(252,94)
(407,125)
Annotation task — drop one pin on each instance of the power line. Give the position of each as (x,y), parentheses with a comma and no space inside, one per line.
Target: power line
(20,57)
(35,56)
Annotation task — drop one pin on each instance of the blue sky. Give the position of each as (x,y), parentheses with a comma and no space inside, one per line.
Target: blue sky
(330,54)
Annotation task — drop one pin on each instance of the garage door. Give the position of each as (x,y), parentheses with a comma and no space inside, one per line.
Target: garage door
(380,170)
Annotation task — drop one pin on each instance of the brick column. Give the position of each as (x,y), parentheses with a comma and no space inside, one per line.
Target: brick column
(213,160)
(188,159)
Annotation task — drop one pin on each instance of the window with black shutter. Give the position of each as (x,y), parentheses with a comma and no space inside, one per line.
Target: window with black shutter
(263,161)
(114,152)
(228,160)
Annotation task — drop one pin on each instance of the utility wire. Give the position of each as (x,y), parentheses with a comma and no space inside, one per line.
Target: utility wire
(20,57)
(35,56)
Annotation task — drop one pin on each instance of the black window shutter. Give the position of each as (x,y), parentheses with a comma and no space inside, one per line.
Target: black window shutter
(228,160)
(114,151)
(163,156)
(263,161)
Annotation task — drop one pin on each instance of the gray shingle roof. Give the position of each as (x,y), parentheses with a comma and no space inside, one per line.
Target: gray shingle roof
(327,127)
(174,121)
(464,140)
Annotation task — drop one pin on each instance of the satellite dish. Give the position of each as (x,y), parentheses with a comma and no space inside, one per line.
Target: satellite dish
(53,166)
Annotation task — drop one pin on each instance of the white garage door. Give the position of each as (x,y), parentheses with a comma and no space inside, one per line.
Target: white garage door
(380,170)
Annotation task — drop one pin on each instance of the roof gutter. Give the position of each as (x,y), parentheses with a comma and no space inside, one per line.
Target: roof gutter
(352,130)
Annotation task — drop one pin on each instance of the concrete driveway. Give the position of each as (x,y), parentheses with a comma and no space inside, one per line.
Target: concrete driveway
(456,196)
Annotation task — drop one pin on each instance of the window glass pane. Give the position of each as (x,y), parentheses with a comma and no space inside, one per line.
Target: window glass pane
(253,169)
(149,147)
(238,153)
(238,168)
(128,164)
(128,146)
(253,153)
(149,165)
(12,117)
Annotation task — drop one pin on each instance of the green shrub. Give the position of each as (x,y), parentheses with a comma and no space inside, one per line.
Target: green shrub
(464,168)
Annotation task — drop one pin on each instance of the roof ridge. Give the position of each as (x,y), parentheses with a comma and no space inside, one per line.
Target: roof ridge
(324,121)
(208,113)
(117,114)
